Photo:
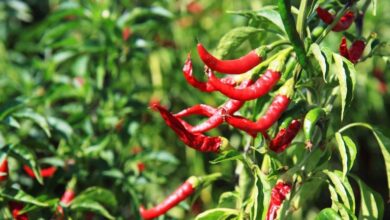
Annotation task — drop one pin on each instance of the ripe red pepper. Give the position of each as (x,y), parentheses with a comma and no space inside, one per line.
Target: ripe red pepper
(202,86)
(200,109)
(180,194)
(4,170)
(197,141)
(278,195)
(140,167)
(45,172)
(285,136)
(345,21)
(216,118)
(15,208)
(355,52)
(237,66)
(66,198)
(126,33)
(275,110)
(261,87)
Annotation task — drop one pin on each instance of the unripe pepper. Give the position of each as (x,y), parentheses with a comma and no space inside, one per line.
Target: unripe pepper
(262,86)
(180,194)
(15,208)
(345,21)
(309,123)
(354,53)
(197,141)
(275,110)
(202,86)
(285,136)
(237,66)
(4,169)
(45,172)
(278,195)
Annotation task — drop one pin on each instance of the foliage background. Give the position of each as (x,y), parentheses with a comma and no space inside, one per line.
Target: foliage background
(82,94)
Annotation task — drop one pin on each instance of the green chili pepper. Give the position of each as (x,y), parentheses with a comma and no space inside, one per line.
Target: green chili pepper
(309,123)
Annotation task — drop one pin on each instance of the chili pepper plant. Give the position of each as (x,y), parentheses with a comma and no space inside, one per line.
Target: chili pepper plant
(194,109)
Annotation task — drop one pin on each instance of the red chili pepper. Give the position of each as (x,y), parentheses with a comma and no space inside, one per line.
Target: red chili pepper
(194,7)
(15,208)
(66,198)
(200,109)
(285,136)
(4,170)
(345,21)
(197,141)
(278,195)
(355,52)
(180,194)
(45,172)
(140,167)
(216,118)
(126,33)
(202,86)
(237,66)
(275,110)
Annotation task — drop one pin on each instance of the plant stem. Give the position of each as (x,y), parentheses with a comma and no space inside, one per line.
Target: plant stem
(301,19)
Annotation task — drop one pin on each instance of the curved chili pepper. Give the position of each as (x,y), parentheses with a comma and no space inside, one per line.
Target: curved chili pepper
(66,198)
(197,141)
(261,87)
(180,194)
(355,52)
(202,86)
(216,119)
(345,21)
(309,123)
(237,66)
(45,172)
(15,208)
(285,136)
(275,110)
(200,109)
(278,195)
(4,170)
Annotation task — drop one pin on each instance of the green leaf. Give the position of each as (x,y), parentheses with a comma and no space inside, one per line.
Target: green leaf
(10,107)
(92,206)
(161,156)
(346,77)
(321,58)
(267,14)
(61,126)
(217,214)
(27,156)
(229,200)
(227,156)
(384,144)
(16,194)
(351,151)
(37,118)
(343,188)
(97,194)
(328,214)
(371,202)
(232,39)
(347,150)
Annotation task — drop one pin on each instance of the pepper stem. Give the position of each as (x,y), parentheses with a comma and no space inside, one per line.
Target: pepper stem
(203,181)
(279,63)
(288,88)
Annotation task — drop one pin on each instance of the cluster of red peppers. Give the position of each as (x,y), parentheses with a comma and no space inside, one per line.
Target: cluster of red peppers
(355,52)
(238,91)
